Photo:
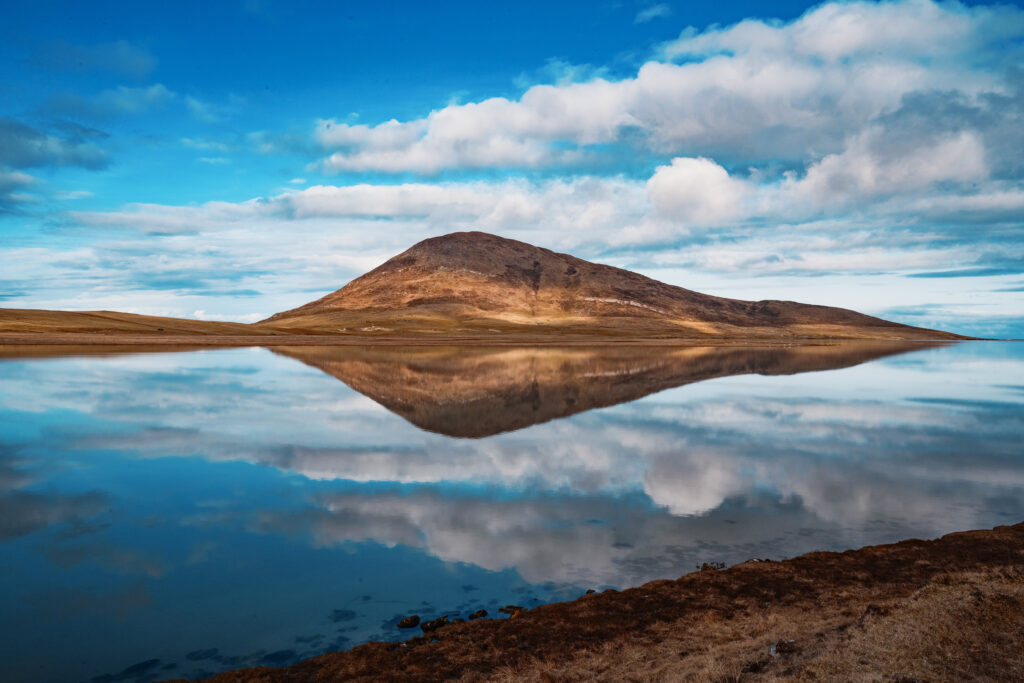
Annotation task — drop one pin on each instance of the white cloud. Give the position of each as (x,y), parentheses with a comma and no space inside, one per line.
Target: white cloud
(558,212)
(112,102)
(124,100)
(11,184)
(880,32)
(698,191)
(205,144)
(74,194)
(203,111)
(11,179)
(859,171)
(660,10)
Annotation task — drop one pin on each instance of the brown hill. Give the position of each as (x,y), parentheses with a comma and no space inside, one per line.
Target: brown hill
(480,391)
(474,283)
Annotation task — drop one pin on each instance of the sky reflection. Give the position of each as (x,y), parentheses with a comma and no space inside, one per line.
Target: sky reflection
(166,515)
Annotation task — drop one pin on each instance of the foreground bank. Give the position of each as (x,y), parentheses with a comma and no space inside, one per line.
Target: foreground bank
(948,609)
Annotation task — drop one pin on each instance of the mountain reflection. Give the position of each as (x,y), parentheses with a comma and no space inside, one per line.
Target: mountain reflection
(476,392)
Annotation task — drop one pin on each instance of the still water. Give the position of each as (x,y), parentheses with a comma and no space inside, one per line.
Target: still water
(171,515)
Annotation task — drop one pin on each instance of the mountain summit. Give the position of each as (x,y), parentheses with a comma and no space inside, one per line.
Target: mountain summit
(478,284)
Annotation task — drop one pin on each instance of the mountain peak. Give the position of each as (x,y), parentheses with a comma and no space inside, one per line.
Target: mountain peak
(477,250)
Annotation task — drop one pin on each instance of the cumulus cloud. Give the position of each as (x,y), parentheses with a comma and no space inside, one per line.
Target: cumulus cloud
(487,134)
(874,164)
(697,191)
(748,93)
(839,31)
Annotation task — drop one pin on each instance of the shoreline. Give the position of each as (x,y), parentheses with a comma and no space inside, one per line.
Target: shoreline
(946,609)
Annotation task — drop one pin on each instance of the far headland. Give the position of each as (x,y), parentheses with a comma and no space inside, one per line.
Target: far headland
(480,288)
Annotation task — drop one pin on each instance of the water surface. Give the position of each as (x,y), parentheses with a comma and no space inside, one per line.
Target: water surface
(175,514)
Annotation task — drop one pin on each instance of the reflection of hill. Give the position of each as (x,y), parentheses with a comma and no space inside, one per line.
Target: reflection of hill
(476,392)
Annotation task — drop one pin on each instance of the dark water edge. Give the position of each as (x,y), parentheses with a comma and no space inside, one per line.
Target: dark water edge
(174,515)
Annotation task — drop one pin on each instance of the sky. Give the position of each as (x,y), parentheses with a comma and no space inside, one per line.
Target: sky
(230,160)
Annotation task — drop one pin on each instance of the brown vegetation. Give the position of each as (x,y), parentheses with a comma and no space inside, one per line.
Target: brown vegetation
(945,610)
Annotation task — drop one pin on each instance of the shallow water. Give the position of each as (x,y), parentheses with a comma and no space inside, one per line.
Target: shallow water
(174,514)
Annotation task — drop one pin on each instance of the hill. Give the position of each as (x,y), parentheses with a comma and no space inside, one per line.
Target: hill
(477,284)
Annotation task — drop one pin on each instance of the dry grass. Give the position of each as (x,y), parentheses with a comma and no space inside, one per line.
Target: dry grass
(960,627)
(944,610)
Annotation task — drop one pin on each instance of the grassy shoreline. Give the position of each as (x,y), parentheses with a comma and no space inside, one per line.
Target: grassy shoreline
(946,609)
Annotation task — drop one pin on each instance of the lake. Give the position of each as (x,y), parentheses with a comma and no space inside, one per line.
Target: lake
(173,515)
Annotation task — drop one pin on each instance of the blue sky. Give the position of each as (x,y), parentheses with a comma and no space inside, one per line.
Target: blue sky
(229,160)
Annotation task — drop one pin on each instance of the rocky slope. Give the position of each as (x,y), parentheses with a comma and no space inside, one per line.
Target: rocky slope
(474,283)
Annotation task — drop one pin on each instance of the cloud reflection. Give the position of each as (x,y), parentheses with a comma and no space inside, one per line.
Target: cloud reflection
(23,512)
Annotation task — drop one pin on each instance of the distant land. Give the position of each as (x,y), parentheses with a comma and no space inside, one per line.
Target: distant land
(478,286)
